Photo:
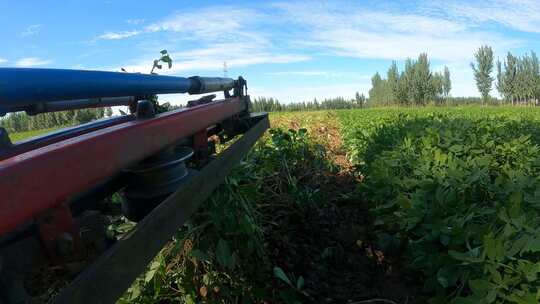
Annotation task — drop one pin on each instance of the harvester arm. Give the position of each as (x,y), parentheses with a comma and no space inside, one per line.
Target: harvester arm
(160,163)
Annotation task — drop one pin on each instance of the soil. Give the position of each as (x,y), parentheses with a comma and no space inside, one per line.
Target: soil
(331,245)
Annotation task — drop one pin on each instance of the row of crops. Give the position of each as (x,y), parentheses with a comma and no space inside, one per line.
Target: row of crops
(456,194)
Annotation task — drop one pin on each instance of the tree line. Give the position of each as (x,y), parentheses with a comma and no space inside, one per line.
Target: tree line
(519,80)
(417,84)
(264,104)
(20,121)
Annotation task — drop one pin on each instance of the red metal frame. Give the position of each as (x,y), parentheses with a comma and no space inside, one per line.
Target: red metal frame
(52,224)
(42,141)
(200,145)
(37,180)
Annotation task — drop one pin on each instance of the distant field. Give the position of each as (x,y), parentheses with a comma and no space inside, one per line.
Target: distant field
(27,134)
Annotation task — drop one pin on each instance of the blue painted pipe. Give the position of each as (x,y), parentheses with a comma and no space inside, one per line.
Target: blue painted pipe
(23,87)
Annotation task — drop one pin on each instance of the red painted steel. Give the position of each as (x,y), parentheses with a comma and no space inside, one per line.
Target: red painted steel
(43,178)
(54,223)
(200,145)
(33,144)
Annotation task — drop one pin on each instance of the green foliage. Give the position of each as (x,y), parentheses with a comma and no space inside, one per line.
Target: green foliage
(482,70)
(464,101)
(165,58)
(518,79)
(219,256)
(18,136)
(21,122)
(416,85)
(294,294)
(447,83)
(456,190)
(273,105)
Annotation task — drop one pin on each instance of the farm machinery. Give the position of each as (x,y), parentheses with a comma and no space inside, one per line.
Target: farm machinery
(59,191)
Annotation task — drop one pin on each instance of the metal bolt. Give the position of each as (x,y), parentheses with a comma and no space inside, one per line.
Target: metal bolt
(145,109)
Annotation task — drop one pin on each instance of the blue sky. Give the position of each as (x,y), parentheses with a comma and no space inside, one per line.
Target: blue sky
(290,50)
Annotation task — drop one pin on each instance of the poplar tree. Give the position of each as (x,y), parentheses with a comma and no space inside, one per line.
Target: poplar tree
(501,81)
(510,78)
(393,81)
(482,71)
(416,85)
(447,83)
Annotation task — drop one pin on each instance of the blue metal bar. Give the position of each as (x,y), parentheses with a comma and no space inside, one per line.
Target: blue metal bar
(64,105)
(22,87)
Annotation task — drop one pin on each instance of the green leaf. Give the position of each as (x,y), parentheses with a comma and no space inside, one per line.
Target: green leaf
(447,276)
(533,245)
(278,273)
(300,283)
(196,253)
(491,296)
(515,199)
(167,59)
(442,280)
(456,148)
(480,287)
(223,254)
(135,291)
(154,266)
(493,247)
(468,300)
(163,52)
(464,257)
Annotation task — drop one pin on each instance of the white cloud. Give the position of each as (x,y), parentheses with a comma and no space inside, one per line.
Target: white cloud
(118,35)
(449,37)
(303,73)
(405,23)
(394,46)
(322,73)
(213,20)
(210,23)
(449,33)
(203,25)
(2,60)
(31,61)
(356,32)
(135,21)
(212,59)
(31,30)
(233,37)
(521,15)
